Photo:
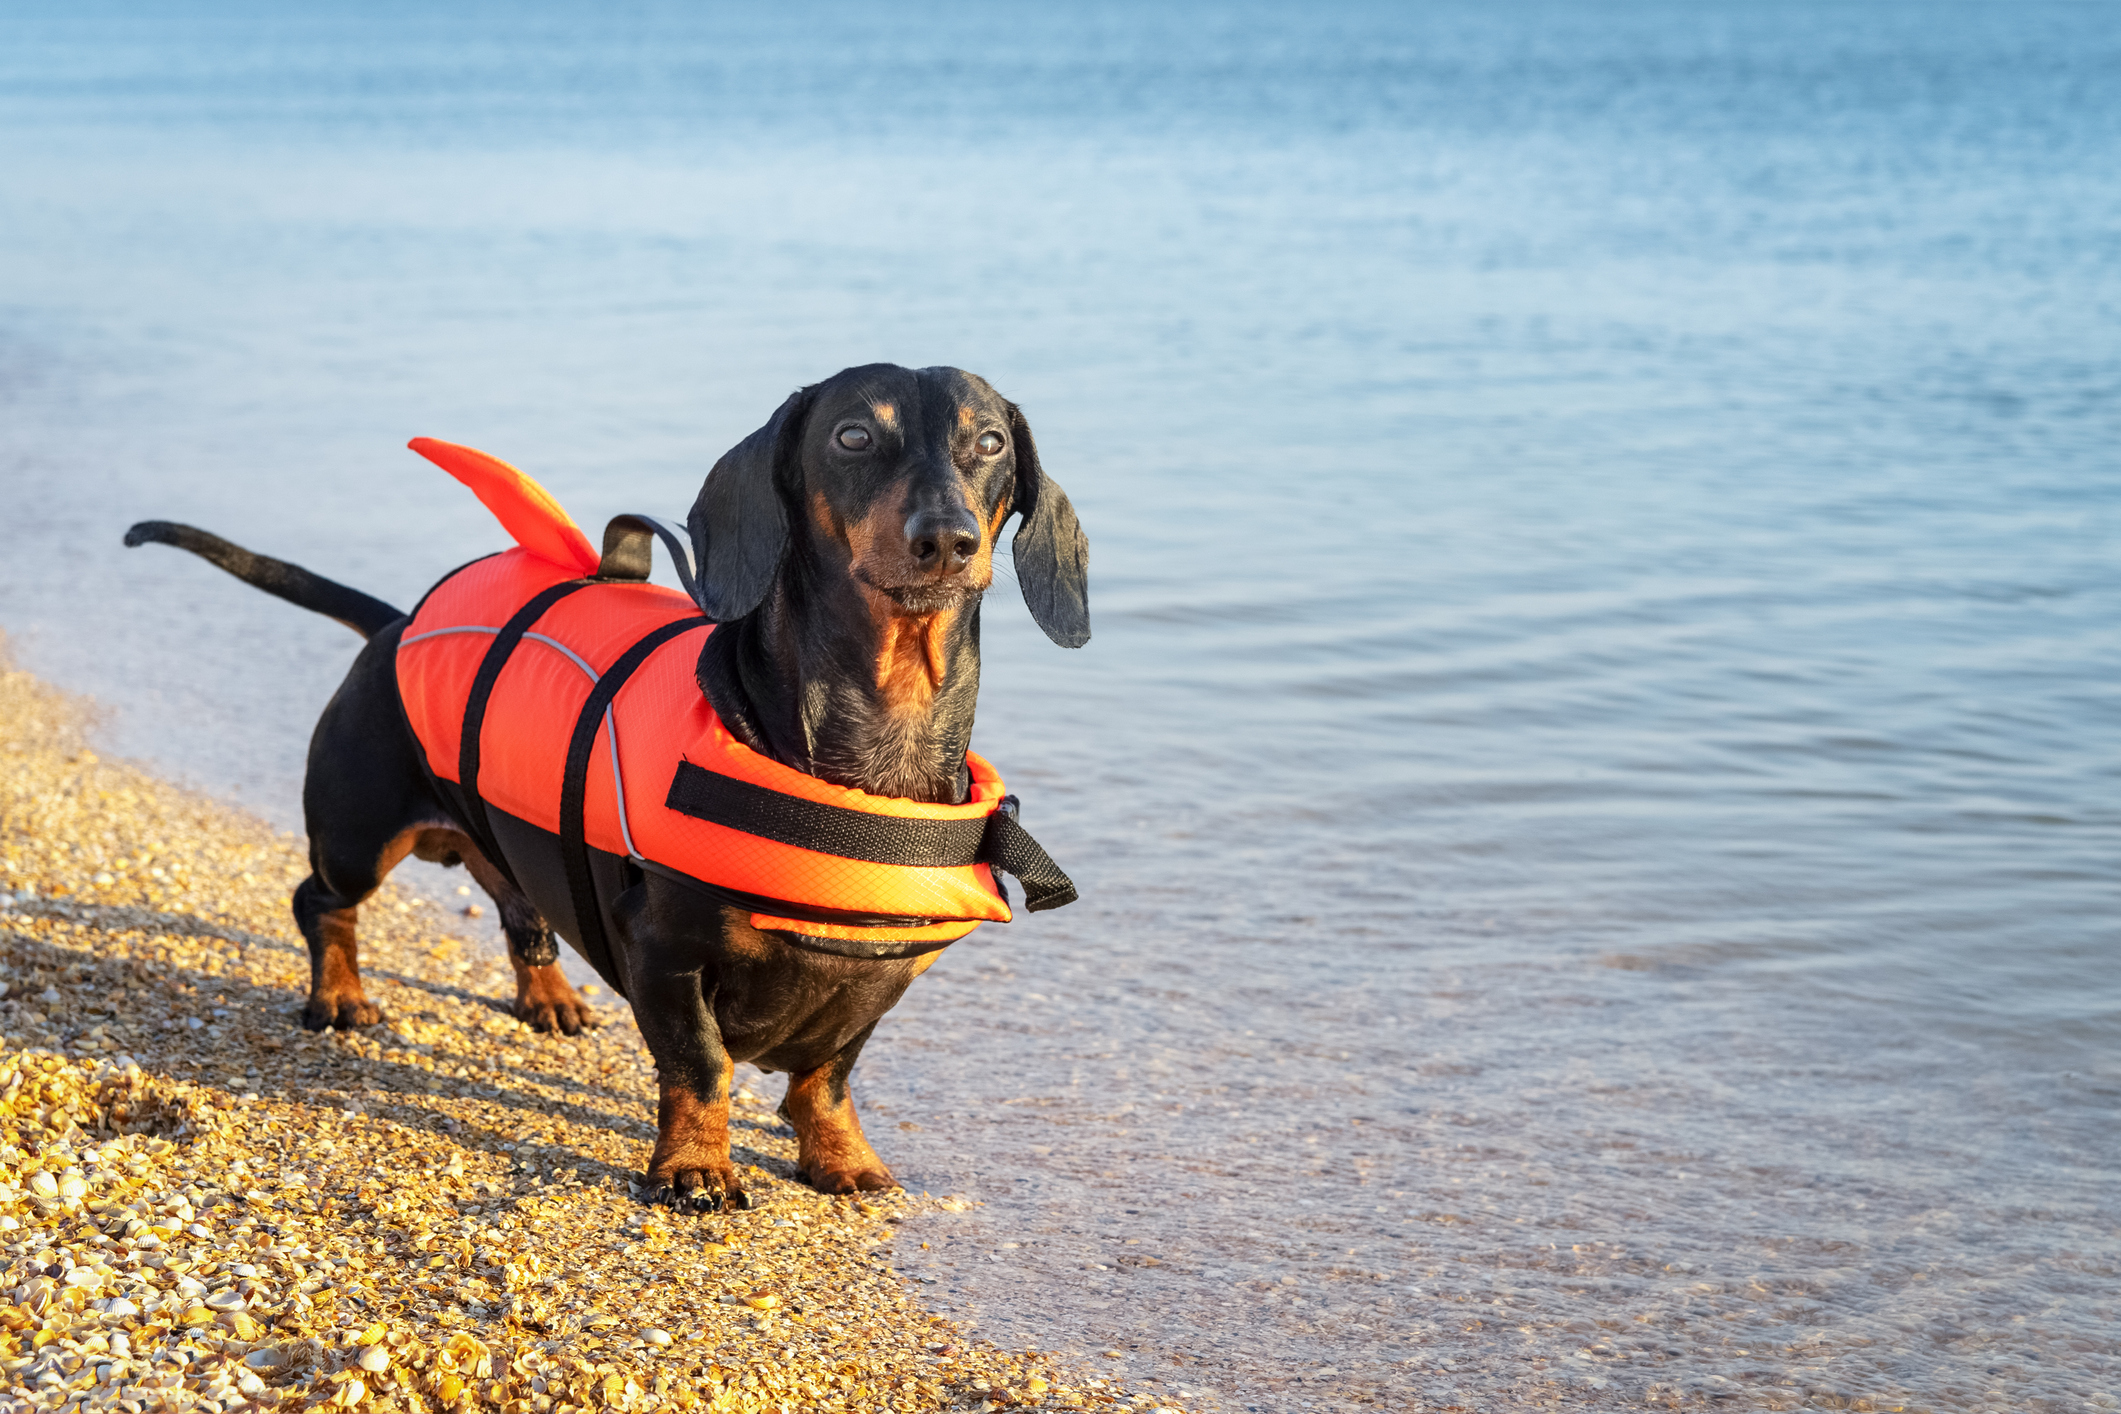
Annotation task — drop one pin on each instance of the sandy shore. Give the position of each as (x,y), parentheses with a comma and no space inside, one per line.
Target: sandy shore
(203,1205)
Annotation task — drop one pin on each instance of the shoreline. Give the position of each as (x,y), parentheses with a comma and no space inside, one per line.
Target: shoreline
(203,1205)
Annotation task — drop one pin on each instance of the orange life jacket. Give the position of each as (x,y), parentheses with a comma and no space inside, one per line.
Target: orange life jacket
(567,698)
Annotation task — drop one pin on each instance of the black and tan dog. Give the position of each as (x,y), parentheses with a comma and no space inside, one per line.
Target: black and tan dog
(844,547)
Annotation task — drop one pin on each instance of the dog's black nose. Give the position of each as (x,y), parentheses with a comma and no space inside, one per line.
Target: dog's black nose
(942,541)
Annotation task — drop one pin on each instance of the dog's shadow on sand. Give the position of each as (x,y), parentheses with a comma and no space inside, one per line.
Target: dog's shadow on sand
(262,1028)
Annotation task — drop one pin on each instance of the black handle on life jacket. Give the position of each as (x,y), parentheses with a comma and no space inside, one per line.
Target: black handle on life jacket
(629,550)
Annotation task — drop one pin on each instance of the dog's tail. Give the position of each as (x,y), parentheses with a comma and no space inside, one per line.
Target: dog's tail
(360,612)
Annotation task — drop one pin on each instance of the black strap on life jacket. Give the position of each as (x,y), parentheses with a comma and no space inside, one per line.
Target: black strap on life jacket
(574,782)
(996,840)
(497,655)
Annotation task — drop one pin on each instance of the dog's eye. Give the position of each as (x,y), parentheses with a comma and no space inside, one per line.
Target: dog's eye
(989,443)
(855,439)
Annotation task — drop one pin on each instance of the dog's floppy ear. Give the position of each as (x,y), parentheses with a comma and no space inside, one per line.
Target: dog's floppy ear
(739,524)
(1052,553)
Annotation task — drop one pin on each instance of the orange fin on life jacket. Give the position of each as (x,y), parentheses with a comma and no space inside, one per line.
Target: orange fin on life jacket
(525,509)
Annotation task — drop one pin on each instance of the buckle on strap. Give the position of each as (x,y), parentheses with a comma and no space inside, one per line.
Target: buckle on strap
(996,840)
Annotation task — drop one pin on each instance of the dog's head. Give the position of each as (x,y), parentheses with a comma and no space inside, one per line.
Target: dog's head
(898,479)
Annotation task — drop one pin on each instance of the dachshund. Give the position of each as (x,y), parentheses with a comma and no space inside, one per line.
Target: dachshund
(843,549)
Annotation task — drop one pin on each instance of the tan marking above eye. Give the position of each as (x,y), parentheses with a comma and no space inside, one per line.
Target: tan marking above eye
(885,412)
(990,444)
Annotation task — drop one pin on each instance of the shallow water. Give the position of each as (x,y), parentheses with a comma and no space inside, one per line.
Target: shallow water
(1595,784)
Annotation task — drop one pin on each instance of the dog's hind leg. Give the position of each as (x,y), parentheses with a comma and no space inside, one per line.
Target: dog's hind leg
(545,999)
(366,803)
(328,911)
(832,1152)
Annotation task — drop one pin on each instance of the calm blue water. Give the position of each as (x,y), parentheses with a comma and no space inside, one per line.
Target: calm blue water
(1596,782)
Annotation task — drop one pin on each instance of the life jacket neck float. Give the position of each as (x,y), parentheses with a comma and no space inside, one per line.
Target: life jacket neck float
(555,685)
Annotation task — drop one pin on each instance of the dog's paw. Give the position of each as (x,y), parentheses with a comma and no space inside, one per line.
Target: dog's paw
(323,1013)
(570,1018)
(866,1179)
(697,1190)
(546,1001)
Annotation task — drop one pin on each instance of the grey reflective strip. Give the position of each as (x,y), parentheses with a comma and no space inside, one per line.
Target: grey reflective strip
(438,632)
(617,785)
(572,656)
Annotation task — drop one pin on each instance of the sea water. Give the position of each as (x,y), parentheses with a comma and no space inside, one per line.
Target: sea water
(1595,786)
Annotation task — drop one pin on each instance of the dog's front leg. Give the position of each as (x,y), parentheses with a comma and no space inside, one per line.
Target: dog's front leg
(665,979)
(833,1154)
(545,999)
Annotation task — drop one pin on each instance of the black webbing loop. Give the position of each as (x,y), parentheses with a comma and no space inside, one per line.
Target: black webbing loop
(497,654)
(996,840)
(629,543)
(1009,847)
(574,784)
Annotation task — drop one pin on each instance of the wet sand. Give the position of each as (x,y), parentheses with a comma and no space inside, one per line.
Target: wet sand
(203,1205)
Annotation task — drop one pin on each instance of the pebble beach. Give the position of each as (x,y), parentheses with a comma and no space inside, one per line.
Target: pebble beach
(204,1206)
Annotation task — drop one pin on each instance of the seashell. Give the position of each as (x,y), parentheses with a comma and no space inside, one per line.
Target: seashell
(656,1335)
(230,1300)
(350,1393)
(466,1355)
(267,1357)
(374,1359)
(43,1185)
(82,1276)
